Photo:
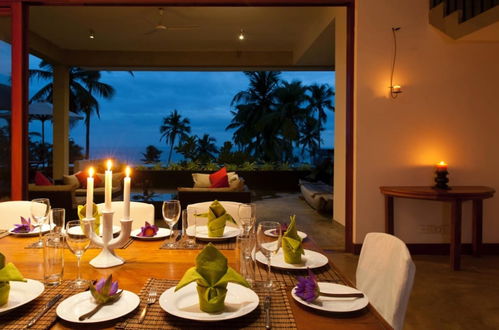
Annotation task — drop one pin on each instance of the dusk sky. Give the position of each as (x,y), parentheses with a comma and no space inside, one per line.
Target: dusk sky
(130,121)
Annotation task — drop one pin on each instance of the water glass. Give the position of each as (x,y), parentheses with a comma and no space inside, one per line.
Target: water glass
(40,208)
(247,265)
(247,217)
(189,230)
(268,244)
(171,214)
(78,243)
(53,258)
(58,216)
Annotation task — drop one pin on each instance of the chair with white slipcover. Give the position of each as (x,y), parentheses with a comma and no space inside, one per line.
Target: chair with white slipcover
(139,213)
(385,273)
(12,211)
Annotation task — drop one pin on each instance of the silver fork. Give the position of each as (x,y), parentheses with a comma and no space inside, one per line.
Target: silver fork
(151,299)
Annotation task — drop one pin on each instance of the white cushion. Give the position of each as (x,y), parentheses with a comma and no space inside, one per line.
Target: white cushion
(202,180)
(71,180)
(139,213)
(385,273)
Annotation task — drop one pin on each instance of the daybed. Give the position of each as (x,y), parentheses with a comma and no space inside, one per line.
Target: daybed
(318,195)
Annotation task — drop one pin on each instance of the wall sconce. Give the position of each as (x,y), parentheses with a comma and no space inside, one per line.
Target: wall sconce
(395,90)
(241,35)
(91,34)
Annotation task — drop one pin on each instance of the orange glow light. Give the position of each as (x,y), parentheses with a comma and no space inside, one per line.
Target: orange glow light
(91,172)
(109,164)
(127,171)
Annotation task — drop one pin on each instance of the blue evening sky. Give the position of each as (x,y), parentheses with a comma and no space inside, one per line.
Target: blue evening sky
(130,121)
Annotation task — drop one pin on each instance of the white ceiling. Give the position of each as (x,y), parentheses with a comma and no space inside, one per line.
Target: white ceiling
(298,31)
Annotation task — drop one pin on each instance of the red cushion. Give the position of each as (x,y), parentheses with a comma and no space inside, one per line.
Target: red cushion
(219,179)
(82,177)
(42,180)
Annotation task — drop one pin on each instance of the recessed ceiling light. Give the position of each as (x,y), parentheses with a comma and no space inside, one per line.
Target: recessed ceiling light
(91,34)
(241,35)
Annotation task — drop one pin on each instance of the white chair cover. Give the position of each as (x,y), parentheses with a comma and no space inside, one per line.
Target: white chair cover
(230,207)
(385,273)
(139,213)
(12,211)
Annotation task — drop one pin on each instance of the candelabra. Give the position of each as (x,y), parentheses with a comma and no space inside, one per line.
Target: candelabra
(107,258)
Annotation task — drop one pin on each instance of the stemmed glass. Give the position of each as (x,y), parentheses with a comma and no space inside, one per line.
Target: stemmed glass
(78,243)
(268,244)
(247,217)
(171,214)
(40,209)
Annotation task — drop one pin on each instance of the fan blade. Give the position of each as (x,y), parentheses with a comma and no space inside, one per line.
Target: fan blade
(182,27)
(151,32)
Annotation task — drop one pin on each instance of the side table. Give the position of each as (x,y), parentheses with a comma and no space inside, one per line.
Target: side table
(455,196)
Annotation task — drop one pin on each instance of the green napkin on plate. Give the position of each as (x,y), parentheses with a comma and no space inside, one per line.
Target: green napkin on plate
(8,273)
(217,217)
(82,212)
(212,275)
(291,244)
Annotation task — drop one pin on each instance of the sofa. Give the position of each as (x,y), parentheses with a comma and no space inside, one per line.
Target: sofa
(237,191)
(61,196)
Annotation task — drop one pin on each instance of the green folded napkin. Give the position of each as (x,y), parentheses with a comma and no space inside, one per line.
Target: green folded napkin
(217,217)
(82,213)
(212,275)
(8,273)
(291,244)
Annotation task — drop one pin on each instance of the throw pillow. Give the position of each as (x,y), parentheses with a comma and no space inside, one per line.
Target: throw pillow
(201,180)
(82,178)
(219,179)
(42,180)
(71,180)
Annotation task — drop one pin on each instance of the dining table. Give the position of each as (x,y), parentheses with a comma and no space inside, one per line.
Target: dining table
(146,259)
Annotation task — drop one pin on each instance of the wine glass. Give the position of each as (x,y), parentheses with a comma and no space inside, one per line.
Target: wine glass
(268,244)
(78,243)
(247,217)
(40,209)
(171,214)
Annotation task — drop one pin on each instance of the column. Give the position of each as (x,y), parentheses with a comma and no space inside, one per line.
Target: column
(61,121)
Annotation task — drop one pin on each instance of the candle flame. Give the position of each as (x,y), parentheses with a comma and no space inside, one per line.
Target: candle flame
(91,172)
(442,163)
(127,171)
(109,164)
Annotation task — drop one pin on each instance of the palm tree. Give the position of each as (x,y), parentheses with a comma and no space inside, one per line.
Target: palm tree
(151,155)
(251,105)
(320,100)
(206,148)
(308,137)
(84,86)
(174,125)
(188,148)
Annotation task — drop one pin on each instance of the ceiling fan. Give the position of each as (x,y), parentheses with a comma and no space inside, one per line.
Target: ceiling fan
(162,27)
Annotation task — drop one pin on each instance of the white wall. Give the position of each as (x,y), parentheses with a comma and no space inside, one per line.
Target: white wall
(449,110)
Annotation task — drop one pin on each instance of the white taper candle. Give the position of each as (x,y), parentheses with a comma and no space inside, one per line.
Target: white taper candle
(108,186)
(126,195)
(90,193)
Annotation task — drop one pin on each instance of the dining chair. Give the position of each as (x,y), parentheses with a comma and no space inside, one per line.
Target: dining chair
(385,273)
(139,213)
(12,211)
(230,207)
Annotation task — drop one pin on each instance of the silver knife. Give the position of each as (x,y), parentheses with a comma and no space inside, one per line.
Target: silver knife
(44,310)
(266,306)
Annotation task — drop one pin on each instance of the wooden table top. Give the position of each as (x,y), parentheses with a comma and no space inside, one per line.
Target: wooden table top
(144,259)
(427,192)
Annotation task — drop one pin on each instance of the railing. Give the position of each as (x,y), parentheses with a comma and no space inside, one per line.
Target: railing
(468,8)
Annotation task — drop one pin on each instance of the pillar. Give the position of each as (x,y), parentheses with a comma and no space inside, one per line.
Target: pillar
(60,126)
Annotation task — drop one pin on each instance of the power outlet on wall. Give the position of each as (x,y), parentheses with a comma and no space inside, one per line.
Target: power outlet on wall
(434,229)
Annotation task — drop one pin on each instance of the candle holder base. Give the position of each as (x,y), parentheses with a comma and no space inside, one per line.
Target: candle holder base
(441,181)
(106,259)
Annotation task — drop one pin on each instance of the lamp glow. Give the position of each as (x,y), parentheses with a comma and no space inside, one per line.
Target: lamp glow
(91,34)
(241,35)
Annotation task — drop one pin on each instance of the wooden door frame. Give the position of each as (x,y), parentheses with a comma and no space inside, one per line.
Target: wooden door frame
(19,143)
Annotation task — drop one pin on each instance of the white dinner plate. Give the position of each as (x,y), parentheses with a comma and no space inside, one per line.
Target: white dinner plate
(202,233)
(310,259)
(185,303)
(35,232)
(271,233)
(73,307)
(22,293)
(330,304)
(78,231)
(162,233)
